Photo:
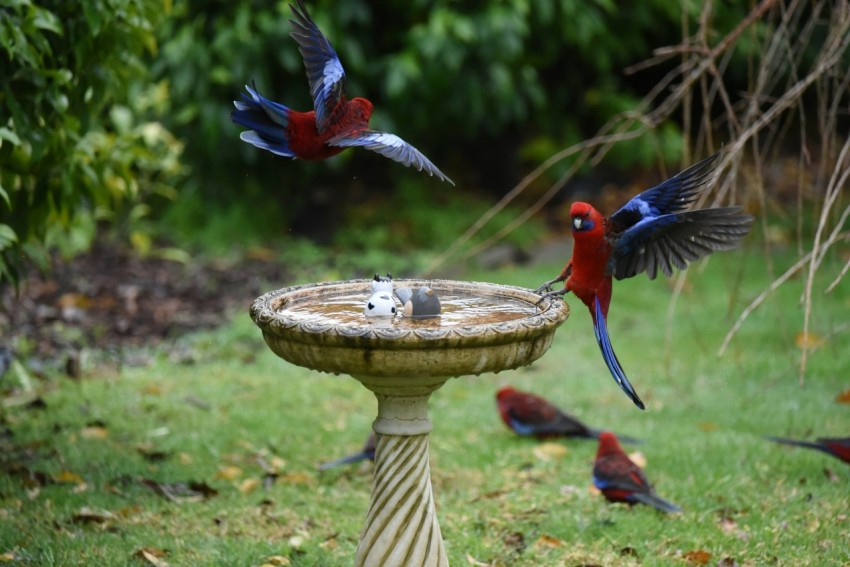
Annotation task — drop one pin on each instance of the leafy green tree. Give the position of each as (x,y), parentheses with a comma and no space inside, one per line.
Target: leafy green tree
(74,139)
(487,90)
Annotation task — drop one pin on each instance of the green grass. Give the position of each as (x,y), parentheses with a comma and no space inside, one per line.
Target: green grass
(500,500)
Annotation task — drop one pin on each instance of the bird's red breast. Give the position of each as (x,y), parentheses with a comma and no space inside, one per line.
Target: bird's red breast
(591,251)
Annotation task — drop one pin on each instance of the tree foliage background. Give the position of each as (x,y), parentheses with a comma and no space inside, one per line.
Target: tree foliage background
(118,110)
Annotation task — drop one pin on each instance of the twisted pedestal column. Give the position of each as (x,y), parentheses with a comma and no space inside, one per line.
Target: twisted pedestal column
(401,526)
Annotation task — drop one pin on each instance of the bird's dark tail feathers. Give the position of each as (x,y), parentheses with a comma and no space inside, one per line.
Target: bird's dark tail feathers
(657,502)
(345,460)
(267,121)
(800,443)
(600,329)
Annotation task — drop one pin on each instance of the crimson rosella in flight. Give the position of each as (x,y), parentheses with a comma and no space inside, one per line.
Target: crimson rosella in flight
(651,232)
(527,414)
(838,447)
(367,452)
(335,123)
(621,480)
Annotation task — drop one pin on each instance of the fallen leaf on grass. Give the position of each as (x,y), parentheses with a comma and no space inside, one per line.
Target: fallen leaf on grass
(549,451)
(727,562)
(94,432)
(152,389)
(271,466)
(276,561)
(707,425)
(490,495)
(697,557)
(181,491)
(68,477)
(86,515)
(514,540)
(629,552)
(151,455)
(843,397)
(808,340)
(548,541)
(730,527)
(228,472)
(152,556)
(197,402)
(638,458)
(249,485)
(330,542)
(8,556)
(473,561)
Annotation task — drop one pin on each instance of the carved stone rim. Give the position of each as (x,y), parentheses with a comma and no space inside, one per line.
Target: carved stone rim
(265,312)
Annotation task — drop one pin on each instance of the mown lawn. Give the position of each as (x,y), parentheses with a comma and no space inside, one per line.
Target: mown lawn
(204,451)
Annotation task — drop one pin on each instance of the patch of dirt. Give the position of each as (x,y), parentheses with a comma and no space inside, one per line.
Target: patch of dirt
(110,299)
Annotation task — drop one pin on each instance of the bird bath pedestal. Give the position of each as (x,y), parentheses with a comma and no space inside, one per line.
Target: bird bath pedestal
(484,328)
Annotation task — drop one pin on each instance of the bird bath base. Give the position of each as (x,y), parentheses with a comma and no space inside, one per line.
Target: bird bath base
(484,328)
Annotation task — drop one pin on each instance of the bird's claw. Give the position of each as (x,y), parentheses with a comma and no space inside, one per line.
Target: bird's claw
(550,294)
(547,287)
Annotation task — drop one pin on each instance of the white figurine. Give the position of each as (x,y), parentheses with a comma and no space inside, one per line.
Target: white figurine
(380,304)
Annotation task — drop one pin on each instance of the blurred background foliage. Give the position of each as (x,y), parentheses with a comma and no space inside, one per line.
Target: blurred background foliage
(117,111)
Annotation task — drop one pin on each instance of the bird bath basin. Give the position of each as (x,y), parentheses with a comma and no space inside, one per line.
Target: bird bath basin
(484,328)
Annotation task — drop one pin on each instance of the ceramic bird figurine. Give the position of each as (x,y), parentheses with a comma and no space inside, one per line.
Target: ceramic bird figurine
(367,452)
(621,480)
(335,123)
(838,447)
(382,283)
(420,303)
(652,232)
(527,414)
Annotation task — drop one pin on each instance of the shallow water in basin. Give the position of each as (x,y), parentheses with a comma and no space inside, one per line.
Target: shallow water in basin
(347,309)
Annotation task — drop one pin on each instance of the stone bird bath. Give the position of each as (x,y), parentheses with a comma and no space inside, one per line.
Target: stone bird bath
(484,328)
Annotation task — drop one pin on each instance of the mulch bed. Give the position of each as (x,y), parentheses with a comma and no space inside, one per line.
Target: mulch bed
(109,298)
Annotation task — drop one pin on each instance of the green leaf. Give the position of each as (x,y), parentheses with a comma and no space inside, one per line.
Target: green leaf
(5,197)
(6,134)
(46,20)
(7,236)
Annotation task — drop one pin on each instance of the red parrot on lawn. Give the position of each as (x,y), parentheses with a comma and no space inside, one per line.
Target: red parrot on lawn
(838,447)
(620,480)
(367,452)
(651,232)
(527,414)
(335,123)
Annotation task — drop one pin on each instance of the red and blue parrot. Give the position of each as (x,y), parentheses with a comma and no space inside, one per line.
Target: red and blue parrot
(335,123)
(527,414)
(367,452)
(651,232)
(838,447)
(621,480)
